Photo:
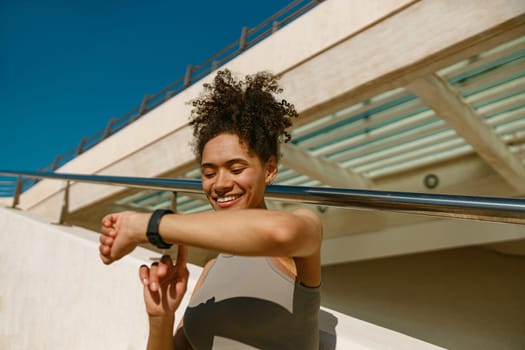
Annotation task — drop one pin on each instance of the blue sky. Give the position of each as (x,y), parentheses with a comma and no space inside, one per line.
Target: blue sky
(67,67)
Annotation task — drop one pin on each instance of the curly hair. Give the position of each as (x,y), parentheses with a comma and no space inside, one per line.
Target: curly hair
(246,108)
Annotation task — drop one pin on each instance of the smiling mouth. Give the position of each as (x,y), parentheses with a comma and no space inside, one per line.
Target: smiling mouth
(228,198)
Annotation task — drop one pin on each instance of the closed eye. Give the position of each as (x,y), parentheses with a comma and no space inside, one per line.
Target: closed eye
(237,171)
(208,174)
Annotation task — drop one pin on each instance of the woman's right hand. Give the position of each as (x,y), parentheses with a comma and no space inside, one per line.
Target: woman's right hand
(121,234)
(165,284)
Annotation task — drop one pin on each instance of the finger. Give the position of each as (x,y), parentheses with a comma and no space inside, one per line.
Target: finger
(105,240)
(164,266)
(108,231)
(182,255)
(144,274)
(108,220)
(166,259)
(105,250)
(105,230)
(105,259)
(154,277)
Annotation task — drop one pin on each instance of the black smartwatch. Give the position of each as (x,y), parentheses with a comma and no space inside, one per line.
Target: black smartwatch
(153,229)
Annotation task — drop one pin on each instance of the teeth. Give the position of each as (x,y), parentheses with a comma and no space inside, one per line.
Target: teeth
(227,199)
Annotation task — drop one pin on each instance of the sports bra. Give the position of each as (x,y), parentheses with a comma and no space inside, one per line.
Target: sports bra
(250,303)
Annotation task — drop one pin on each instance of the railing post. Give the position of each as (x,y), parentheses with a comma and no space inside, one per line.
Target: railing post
(54,166)
(174,202)
(169,94)
(65,205)
(109,128)
(18,191)
(187,76)
(80,147)
(242,40)
(144,105)
(275,26)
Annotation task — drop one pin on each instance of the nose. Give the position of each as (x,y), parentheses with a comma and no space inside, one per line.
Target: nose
(223,183)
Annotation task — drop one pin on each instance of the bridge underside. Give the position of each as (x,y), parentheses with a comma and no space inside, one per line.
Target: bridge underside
(381,108)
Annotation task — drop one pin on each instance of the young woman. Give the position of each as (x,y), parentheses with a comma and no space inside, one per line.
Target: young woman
(262,291)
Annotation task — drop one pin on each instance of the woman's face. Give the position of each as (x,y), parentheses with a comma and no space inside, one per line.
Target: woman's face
(231,177)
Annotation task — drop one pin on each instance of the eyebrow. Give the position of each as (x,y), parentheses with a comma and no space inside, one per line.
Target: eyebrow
(228,163)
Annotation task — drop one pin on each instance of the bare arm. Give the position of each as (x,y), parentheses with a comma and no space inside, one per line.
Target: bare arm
(161,322)
(253,232)
(160,333)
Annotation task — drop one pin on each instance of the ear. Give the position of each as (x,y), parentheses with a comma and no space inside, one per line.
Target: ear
(271,170)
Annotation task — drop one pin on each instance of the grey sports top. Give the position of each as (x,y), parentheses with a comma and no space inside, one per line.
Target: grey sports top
(250,303)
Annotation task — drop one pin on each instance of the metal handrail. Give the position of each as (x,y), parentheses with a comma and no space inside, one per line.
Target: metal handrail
(493,209)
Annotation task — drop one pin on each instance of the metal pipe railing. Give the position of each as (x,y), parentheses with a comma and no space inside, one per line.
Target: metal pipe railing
(506,210)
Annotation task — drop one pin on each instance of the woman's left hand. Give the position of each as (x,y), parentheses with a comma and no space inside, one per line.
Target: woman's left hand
(121,233)
(165,284)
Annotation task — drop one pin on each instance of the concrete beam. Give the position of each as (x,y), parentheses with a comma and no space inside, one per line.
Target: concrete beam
(439,96)
(321,169)
(416,238)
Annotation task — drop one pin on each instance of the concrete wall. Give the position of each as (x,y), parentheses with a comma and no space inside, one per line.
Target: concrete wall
(56,294)
(467,298)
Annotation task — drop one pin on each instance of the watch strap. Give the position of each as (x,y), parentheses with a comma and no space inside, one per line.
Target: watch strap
(153,228)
